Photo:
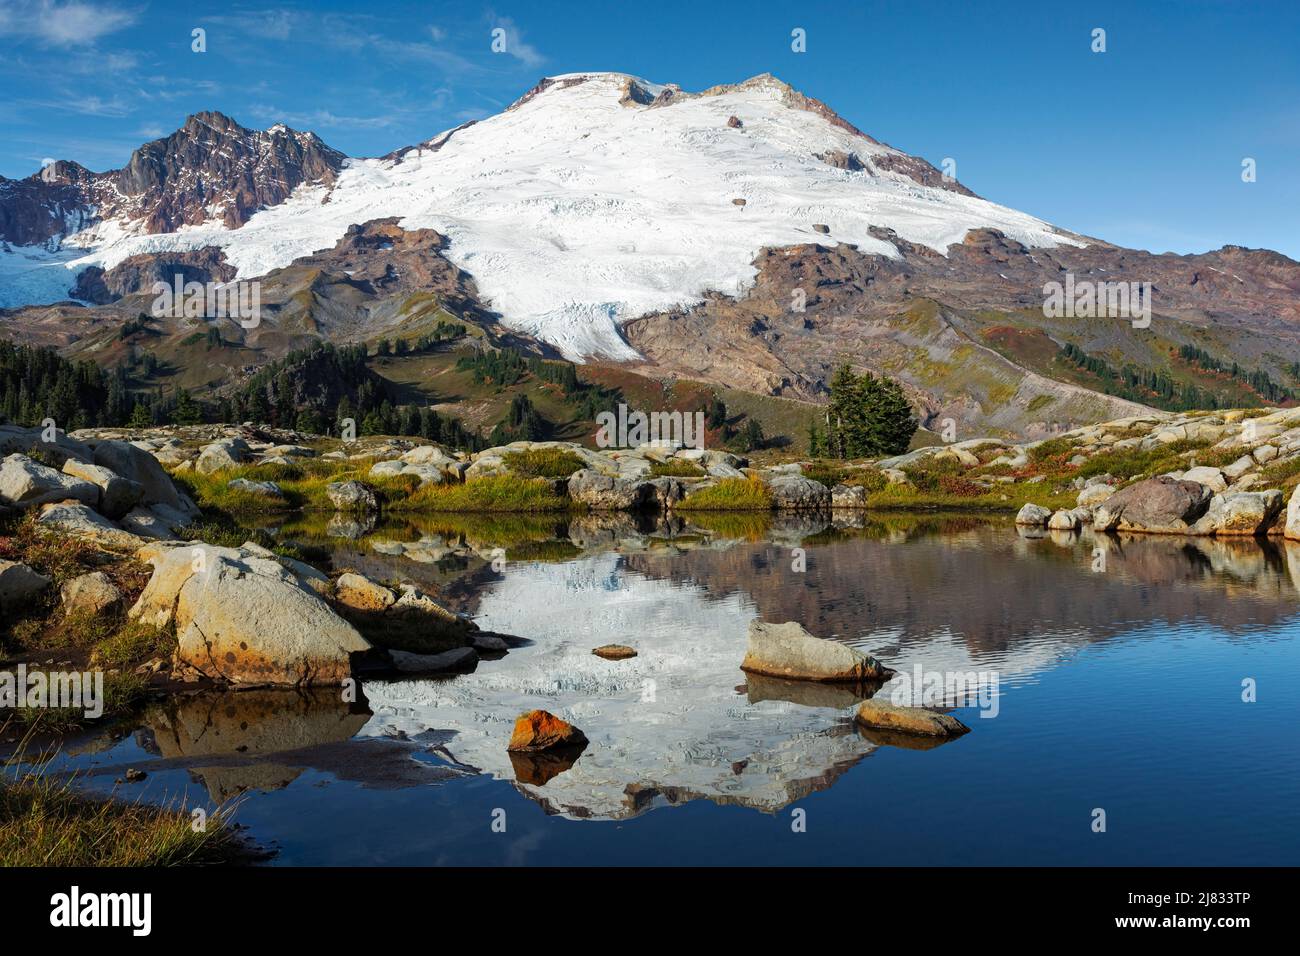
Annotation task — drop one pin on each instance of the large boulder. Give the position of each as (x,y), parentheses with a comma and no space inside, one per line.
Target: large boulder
(137,465)
(227,453)
(1094,494)
(90,594)
(1159,505)
(848,496)
(19,585)
(79,521)
(1064,521)
(352,496)
(245,618)
(429,455)
(31,441)
(117,495)
(789,651)
(1034,516)
(1291,530)
(1240,513)
(25,483)
(262,489)
(1212,478)
(407,617)
(605,493)
(796,493)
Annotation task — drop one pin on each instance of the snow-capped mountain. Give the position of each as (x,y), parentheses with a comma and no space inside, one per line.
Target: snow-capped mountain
(593,199)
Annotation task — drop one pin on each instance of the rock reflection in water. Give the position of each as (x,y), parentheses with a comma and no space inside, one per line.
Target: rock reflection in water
(948,593)
(264,739)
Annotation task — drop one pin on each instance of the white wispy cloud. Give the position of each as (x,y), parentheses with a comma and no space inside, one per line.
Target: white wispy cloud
(63,23)
(516,46)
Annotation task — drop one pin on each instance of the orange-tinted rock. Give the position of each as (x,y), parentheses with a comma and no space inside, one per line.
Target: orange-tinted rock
(614,652)
(539,730)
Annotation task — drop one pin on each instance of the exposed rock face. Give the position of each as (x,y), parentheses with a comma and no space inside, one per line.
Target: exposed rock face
(540,730)
(136,464)
(605,493)
(31,441)
(797,493)
(227,453)
(117,495)
(787,650)
(1240,513)
(1292,527)
(263,489)
(868,306)
(245,619)
(1063,521)
(91,594)
(19,585)
(139,273)
(81,521)
(882,715)
(210,168)
(1158,505)
(1034,516)
(25,484)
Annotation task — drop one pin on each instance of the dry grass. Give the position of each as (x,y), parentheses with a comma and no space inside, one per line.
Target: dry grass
(46,823)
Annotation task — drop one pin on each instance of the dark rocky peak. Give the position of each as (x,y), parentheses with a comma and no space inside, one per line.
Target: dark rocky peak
(214,167)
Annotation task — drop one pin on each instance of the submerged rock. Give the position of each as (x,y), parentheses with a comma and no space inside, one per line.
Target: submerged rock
(787,650)
(540,730)
(458,660)
(882,715)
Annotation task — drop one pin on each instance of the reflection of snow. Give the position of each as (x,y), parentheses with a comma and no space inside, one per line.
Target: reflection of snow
(945,653)
(668,720)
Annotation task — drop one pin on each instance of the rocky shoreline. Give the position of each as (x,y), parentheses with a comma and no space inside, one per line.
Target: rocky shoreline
(246,616)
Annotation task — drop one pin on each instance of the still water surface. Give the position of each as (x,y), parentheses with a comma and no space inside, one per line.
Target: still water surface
(1119,686)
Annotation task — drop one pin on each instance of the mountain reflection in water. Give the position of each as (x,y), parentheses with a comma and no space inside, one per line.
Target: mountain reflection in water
(680,722)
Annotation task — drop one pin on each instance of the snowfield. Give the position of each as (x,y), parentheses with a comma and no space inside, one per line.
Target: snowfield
(575,212)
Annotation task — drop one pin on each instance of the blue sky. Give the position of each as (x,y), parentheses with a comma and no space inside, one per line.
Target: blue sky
(1141,145)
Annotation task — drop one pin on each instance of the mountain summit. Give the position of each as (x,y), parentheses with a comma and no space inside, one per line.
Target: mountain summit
(594,198)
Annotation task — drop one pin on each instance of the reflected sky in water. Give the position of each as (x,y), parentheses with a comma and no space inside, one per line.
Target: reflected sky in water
(1119,667)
